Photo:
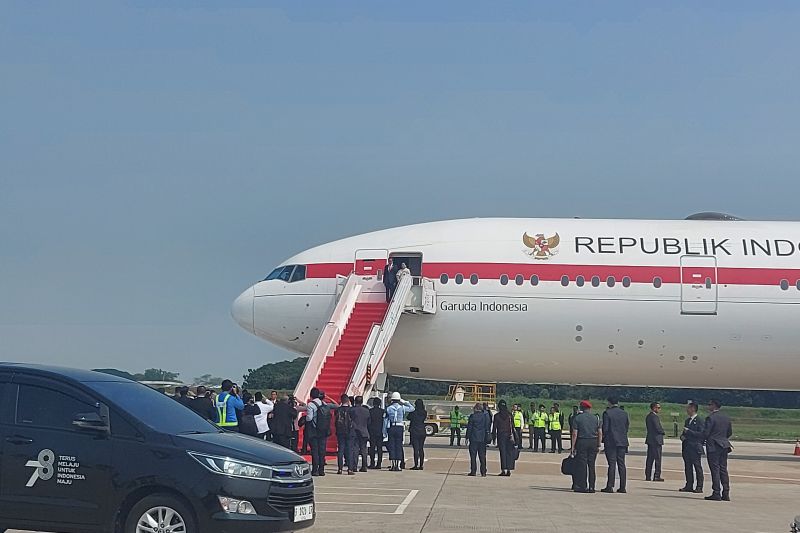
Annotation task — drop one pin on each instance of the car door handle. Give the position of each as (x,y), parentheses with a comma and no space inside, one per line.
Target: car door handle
(16,439)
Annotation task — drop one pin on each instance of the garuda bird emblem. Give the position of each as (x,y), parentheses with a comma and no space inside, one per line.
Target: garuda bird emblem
(541,247)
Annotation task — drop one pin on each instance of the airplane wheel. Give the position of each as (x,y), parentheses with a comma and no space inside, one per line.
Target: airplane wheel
(169,514)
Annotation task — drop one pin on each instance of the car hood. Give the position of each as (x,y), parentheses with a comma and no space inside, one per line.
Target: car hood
(238,446)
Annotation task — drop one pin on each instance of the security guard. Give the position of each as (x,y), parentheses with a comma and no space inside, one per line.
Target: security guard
(539,428)
(455,426)
(227,403)
(519,425)
(555,423)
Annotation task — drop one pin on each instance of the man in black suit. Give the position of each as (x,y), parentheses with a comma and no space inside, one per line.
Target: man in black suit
(615,438)
(389,279)
(655,442)
(692,450)
(717,433)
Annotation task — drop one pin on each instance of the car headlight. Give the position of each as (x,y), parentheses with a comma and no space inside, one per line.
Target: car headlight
(232,467)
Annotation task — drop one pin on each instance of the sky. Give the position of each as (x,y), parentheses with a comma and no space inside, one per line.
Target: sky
(158,158)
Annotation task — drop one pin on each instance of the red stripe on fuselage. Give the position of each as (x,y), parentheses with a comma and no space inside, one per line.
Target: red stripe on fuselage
(554,272)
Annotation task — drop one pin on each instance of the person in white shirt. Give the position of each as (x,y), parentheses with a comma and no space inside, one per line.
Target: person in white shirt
(403,272)
(262,423)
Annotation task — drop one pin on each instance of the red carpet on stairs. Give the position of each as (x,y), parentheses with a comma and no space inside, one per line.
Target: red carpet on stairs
(335,375)
(338,368)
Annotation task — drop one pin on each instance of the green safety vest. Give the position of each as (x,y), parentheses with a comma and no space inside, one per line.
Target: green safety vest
(555,421)
(455,419)
(518,419)
(539,419)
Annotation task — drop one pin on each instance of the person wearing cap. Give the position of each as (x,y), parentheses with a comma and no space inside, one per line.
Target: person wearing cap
(395,413)
(586,436)
(615,439)
(692,450)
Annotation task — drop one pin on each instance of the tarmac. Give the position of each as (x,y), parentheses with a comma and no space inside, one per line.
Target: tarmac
(765,483)
(765,492)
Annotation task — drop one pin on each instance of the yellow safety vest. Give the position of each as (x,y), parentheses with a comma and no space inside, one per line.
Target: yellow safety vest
(518,419)
(539,419)
(555,421)
(222,410)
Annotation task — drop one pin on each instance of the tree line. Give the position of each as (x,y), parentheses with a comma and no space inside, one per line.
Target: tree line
(284,375)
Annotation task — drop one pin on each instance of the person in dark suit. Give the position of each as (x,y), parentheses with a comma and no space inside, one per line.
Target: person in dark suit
(389,279)
(615,439)
(655,442)
(478,435)
(717,432)
(692,450)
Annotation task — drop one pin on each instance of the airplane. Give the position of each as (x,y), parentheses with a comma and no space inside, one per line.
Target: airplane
(711,301)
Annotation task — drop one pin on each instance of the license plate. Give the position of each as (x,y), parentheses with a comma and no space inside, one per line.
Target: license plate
(303,512)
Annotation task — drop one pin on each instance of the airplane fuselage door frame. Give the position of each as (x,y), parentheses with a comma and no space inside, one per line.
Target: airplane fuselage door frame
(699,288)
(370,262)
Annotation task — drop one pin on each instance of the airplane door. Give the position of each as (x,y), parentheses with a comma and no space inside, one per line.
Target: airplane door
(370,262)
(698,285)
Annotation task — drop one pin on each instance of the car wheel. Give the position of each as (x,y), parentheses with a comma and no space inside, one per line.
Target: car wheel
(160,513)
(430,430)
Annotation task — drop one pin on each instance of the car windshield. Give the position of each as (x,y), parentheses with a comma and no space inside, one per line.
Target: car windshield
(152,408)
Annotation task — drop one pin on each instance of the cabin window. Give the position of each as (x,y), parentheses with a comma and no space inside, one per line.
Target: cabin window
(626,281)
(443,279)
(708,283)
(504,280)
(657,282)
(519,279)
(611,281)
(797,284)
(459,279)
(564,281)
(785,284)
(473,279)
(535,280)
(579,281)
(595,281)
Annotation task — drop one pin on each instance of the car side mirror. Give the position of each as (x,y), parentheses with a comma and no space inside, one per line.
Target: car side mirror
(91,422)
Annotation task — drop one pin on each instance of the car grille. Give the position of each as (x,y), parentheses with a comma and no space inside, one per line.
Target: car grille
(284,499)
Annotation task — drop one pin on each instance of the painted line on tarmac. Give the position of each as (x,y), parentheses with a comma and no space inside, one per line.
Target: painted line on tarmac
(348,494)
(399,509)
(405,503)
(359,503)
(366,488)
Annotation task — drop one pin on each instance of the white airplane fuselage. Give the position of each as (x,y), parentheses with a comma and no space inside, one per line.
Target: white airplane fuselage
(702,304)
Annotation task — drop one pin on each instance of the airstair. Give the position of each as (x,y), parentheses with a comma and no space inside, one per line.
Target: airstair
(353,344)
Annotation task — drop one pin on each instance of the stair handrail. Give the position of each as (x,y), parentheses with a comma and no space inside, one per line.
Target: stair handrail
(374,351)
(358,379)
(329,337)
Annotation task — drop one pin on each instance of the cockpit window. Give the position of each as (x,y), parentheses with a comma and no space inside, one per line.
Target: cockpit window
(299,274)
(288,273)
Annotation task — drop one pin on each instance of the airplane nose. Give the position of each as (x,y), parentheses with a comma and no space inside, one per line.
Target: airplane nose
(242,310)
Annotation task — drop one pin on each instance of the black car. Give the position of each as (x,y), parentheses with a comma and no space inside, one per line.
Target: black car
(84,451)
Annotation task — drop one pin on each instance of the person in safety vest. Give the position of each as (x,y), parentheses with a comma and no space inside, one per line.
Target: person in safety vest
(455,426)
(227,403)
(539,423)
(555,423)
(519,425)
